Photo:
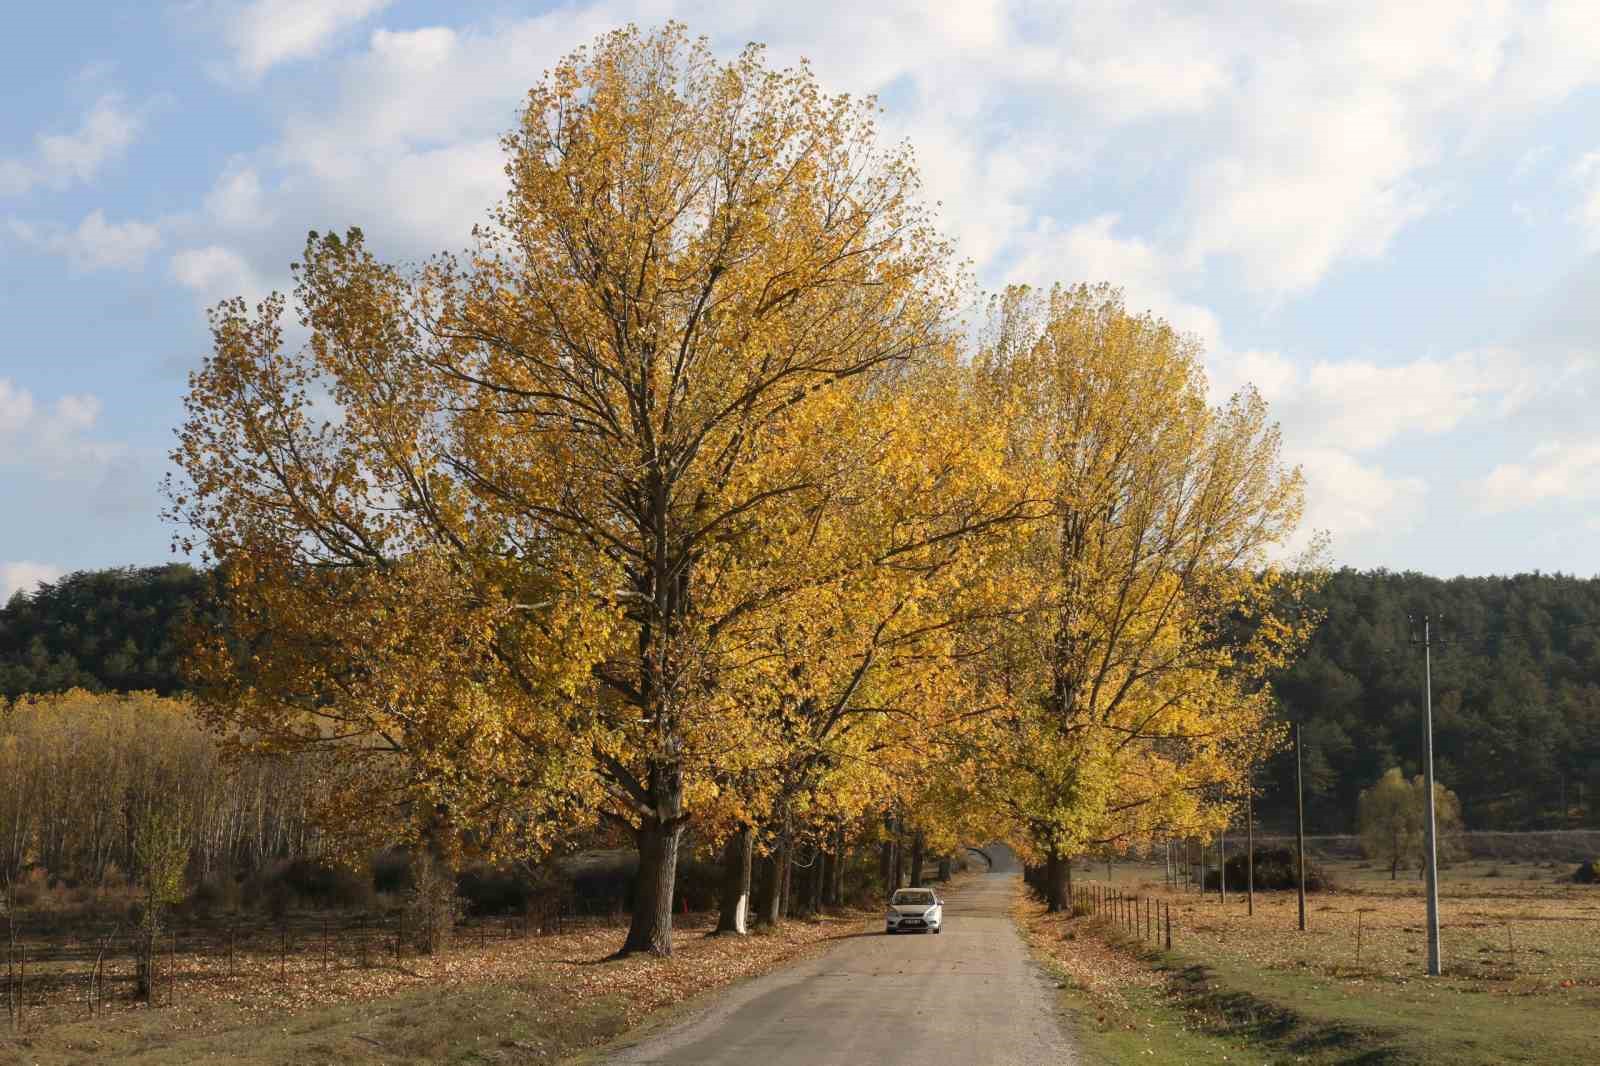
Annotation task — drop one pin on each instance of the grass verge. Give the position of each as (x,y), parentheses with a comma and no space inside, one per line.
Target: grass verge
(1134,1003)
(540,1000)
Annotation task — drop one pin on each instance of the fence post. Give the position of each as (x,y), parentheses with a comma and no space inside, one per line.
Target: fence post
(283,952)
(172,970)
(1169,926)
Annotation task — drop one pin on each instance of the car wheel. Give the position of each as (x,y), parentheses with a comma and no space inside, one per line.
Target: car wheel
(889,931)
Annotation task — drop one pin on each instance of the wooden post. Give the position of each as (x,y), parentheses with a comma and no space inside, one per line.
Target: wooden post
(1222,866)
(1249,847)
(1300,828)
(283,951)
(1169,927)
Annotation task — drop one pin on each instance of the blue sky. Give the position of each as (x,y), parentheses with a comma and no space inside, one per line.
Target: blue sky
(1386,217)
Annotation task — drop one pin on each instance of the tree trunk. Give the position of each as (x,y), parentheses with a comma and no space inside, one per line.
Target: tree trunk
(818,876)
(786,868)
(886,867)
(650,927)
(736,855)
(776,885)
(899,861)
(917,845)
(944,869)
(840,860)
(1055,881)
(771,890)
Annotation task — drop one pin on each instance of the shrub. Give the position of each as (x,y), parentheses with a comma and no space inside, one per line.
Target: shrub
(218,892)
(30,890)
(486,889)
(1588,873)
(391,871)
(432,906)
(1275,870)
(306,883)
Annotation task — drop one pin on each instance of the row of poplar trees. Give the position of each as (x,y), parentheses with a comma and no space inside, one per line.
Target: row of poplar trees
(702,491)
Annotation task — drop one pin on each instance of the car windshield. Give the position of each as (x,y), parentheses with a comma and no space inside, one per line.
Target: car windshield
(914,898)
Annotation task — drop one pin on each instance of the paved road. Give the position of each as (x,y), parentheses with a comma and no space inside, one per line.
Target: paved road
(968,995)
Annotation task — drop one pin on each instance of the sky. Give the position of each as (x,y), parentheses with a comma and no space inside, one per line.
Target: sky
(1385,217)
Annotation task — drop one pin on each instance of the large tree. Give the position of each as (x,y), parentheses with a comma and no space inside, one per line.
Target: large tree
(516,554)
(1135,665)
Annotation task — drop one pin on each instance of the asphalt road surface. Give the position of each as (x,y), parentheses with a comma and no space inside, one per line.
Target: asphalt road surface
(968,995)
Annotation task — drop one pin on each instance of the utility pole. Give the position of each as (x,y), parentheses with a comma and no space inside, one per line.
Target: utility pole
(1430,852)
(1300,827)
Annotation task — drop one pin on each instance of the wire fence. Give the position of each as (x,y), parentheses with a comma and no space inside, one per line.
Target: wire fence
(84,968)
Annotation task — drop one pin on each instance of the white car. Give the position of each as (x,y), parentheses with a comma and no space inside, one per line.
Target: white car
(914,910)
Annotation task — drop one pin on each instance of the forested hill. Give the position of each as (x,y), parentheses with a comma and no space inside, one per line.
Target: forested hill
(101,630)
(1516,691)
(1516,696)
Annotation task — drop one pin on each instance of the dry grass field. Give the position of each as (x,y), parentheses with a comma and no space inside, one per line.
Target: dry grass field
(1521,950)
(1509,927)
(489,998)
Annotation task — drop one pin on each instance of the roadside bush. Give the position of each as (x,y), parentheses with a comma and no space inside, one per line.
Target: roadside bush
(1588,873)
(486,889)
(699,885)
(1275,871)
(391,871)
(432,906)
(30,889)
(218,892)
(306,883)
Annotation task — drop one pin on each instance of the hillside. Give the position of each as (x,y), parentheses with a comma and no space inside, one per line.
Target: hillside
(1516,688)
(101,630)
(1516,696)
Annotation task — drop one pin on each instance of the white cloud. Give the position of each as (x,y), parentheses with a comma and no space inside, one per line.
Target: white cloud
(265,33)
(235,201)
(1554,471)
(54,441)
(1297,138)
(61,159)
(1092,252)
(1364,406)
(16,407)
(95,244)
(1355,502)
(1586,173)
(214,273)
(24,576)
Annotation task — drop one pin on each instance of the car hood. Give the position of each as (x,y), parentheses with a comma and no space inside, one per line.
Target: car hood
(914,910)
